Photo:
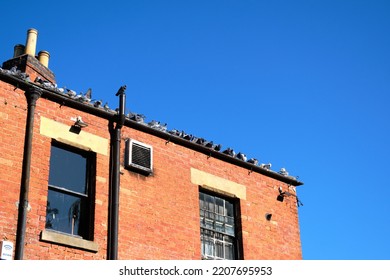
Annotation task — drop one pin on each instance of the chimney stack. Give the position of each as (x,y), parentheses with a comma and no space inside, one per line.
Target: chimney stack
(27,62)
(31,42)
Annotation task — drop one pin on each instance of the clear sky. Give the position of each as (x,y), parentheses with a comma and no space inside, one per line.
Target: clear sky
(303,85)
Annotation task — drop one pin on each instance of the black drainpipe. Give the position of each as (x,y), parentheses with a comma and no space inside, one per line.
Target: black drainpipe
(32,95)
(112,245)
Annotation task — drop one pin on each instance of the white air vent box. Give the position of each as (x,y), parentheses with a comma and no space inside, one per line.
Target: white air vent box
(139,157)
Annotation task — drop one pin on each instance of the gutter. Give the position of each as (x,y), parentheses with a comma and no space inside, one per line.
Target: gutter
(113,116)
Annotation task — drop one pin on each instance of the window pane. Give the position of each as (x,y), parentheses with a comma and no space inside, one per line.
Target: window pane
(219,206)
(219,227)
(229,253)
(68,170)
(229,209)
(209,203)
(219,249)
(66,213)
(229,230)
(207,243)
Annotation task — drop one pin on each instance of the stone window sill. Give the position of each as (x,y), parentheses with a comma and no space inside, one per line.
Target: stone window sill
(68,240)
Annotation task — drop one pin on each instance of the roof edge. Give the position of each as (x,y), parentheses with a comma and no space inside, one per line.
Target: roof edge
(113,116)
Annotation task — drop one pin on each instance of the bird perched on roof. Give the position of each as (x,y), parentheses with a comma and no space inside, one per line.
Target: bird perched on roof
(175,132)
(163,127)
(283,171)
(209,144)
(44,83)
(229,152)
(60,90)
(97,103)
(213,146)
(136,117)
(18,73)
(154,124)
(88,94)
(157,125)
(14,69)
(217,147)
(253,161)
(186,136)
(200,141)
(197,140)
(71,93)
(266,165)
(121,90)
(241,156)
(84,97)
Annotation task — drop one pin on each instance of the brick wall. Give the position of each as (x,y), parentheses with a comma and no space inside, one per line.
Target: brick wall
(158,214)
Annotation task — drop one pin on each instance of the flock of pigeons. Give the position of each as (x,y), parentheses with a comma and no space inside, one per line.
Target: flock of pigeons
(139,118)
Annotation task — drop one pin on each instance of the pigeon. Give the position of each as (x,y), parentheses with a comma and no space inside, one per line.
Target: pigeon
(44,83)
(163,127)
(209,144)
(253,161)
(70,92)
(97,103)
(229,152)
(60,90)
(157,125)
(154,124)
(266,165)
(283,171)
(14,70)
(200,141)
(217,147)
(136,117)
(241,156)
(84,97)
(121,90)
(88,94)
(186,136)
(175,132)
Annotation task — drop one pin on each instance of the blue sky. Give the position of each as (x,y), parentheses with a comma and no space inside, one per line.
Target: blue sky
(301,84)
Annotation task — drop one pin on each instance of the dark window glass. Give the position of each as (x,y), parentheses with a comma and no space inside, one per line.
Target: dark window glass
(69,204)
(218,227)
(68,170)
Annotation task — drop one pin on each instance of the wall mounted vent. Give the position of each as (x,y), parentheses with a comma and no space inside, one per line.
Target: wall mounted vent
(139,157)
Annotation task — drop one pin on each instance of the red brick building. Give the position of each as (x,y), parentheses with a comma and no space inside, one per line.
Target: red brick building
(81,181)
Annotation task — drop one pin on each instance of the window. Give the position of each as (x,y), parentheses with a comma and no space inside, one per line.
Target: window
(71,190)
(218,227)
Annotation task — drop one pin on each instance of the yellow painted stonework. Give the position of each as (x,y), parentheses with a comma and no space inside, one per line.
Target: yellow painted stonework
(83,140)
(216,183)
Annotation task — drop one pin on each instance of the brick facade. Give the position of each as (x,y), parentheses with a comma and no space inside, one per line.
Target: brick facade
(158,214)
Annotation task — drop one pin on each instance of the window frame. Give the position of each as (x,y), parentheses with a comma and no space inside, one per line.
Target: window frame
(88,196)
(236,238)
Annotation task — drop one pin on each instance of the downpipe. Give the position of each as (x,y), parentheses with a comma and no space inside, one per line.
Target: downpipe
(113,223)
(32,95)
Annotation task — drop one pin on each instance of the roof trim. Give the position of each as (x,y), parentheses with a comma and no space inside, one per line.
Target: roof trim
(113,116)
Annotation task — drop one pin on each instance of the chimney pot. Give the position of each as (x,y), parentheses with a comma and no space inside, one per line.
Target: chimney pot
(18,50)
(43,57)
(31,42)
